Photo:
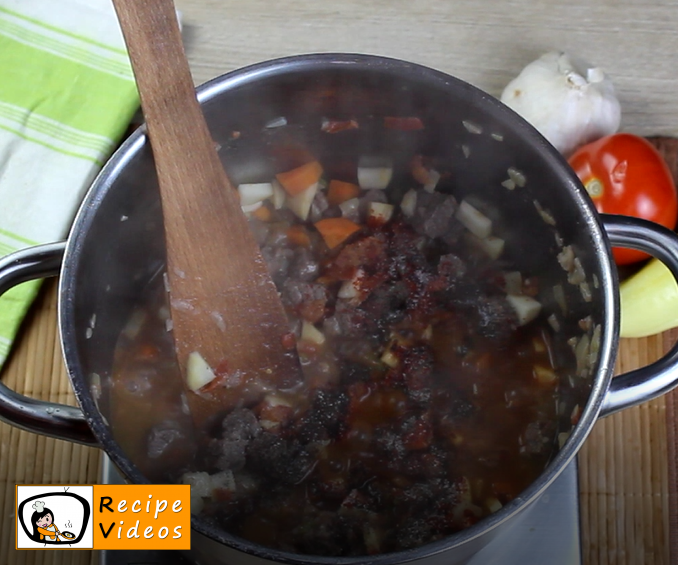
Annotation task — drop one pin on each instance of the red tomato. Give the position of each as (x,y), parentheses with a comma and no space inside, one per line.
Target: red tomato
(625,174)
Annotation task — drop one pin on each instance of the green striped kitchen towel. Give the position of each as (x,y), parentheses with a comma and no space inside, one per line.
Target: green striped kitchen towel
(67,95)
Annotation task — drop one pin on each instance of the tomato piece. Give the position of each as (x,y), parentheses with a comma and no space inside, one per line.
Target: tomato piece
(624,174)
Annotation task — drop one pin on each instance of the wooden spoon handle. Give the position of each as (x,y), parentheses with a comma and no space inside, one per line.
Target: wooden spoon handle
(223,302)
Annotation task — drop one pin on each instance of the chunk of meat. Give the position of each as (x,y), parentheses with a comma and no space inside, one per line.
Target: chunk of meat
(277,459)
(307,300)
(238,428)
(366,251)
(434,214)
(495,317)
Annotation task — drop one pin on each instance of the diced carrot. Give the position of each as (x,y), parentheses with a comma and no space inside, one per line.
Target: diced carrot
(263,213)
(340,191)
(336,230)
(403,124)
(298,235)
(299,179)
(418,170)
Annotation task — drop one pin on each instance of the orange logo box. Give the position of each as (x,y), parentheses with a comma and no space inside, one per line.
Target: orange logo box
(142,516)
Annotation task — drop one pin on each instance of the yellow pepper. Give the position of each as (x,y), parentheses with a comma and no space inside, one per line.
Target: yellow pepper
(649,301)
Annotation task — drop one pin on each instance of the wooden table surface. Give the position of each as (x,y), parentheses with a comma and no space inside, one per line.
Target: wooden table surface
(485,43)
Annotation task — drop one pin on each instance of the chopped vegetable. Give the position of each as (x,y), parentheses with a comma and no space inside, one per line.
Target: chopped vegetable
(379,213)
(569,103)
(526,308)
(198,372)
(474,220)
(545,375)
(300,179)
(340,191)
(649,301)
(253,193)
(279,195)
(262,213)
(374,173)
(336,230)
(493,246)
(311,334)
(251,207)
(434,177)
(624,174)
(409,203)
(278,122)
(298,235)
(350,209)
(419,172)
(300,203)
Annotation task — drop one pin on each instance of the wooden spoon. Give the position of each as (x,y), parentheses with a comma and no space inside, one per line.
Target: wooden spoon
(223,302)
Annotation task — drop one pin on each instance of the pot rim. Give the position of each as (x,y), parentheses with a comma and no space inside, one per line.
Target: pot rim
(309,62)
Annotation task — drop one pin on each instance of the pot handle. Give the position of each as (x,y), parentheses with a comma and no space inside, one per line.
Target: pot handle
(646,383)
(37,416)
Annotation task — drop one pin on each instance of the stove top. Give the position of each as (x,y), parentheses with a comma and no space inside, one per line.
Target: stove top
(547,532)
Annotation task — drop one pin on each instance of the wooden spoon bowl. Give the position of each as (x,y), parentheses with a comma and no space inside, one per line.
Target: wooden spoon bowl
(223,303)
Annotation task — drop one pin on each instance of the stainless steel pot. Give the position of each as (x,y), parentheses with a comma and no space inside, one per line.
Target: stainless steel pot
(116,246)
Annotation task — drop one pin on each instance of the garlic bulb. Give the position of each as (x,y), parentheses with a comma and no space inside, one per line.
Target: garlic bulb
(569,103)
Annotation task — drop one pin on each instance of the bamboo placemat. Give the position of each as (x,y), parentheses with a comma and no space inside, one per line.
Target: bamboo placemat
(36,369)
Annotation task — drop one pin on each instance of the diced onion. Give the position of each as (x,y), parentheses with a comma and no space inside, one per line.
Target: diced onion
(279,195)
(526,308)
(253,193)
(517,177)
(508,183)
(493,246)
(581,353)
(473,220)
(586,293)
(595,345)
(389,359)
(433,178)
(472,127)
(278,122)
(492,504)
(301,203)
(379,212)
(374,173)
(545,214)
(577,274)
(350,289)
(566,258)
(409,203)
(310,333)
(198,372)
(544,375)
(553,322)
(275,400)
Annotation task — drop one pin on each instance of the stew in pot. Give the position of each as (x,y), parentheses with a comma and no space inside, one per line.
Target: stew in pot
(431,378)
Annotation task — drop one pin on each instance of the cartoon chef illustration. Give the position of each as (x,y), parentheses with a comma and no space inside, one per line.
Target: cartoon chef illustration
(44,528)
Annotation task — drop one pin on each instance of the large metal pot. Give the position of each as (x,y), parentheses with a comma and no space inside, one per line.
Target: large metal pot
(106,262)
